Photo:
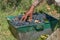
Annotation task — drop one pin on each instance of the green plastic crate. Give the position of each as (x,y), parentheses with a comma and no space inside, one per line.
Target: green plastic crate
(32,32)
(30,27)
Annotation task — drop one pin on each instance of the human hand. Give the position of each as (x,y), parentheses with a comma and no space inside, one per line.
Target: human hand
(25,16)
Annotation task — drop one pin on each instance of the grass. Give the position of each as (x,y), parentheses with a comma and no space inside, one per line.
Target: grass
(5,33)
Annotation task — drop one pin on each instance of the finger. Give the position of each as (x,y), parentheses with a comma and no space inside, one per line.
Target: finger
(25,18)
(22,18)
(30,18)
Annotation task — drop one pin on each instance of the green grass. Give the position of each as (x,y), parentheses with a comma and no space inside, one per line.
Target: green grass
(5,33)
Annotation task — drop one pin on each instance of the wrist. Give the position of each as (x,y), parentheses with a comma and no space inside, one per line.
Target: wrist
(32,8)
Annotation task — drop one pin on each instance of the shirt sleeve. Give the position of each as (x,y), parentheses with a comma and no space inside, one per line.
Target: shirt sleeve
(36,2)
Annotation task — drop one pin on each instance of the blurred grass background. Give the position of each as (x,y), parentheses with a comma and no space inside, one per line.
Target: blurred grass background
(16,7)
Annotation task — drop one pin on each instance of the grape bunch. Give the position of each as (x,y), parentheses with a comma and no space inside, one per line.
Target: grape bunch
(36,18)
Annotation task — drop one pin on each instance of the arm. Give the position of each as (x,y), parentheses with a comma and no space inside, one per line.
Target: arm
(31,10)
(28,13)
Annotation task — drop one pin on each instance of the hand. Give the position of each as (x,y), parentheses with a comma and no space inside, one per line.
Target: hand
(24,17)
(28,13)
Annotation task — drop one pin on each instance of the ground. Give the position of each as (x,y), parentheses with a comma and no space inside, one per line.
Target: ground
(55,35)
(5,33)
